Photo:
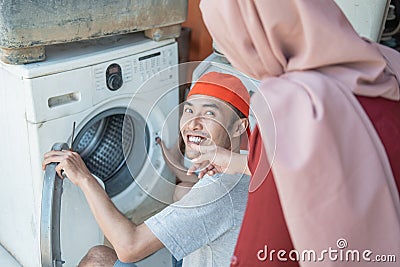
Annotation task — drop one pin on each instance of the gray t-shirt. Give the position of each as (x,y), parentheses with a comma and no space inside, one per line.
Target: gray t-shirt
(202,228)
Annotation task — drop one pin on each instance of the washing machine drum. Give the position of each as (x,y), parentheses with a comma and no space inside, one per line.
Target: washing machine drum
(110,140)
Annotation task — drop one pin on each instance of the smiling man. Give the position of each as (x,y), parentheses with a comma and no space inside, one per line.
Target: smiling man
(202,227)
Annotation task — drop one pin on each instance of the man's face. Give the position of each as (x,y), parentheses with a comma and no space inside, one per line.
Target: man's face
(205,120)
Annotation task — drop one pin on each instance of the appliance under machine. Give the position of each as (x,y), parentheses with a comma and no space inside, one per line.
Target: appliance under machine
(119,91)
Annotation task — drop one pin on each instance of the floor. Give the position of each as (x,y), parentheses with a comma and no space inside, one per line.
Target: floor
(161,258)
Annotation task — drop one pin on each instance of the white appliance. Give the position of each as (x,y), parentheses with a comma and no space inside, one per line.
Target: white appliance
(98,85)
(368,17)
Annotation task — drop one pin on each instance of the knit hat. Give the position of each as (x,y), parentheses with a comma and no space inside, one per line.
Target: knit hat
(226,87)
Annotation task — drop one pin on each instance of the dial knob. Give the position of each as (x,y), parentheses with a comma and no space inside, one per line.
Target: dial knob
(114,79)
(114,82)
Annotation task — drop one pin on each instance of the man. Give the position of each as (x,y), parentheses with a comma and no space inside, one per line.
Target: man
(203,226)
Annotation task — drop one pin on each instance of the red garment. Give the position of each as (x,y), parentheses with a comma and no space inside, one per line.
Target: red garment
(264,223)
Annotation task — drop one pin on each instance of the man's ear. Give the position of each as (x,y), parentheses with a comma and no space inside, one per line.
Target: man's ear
(240,127)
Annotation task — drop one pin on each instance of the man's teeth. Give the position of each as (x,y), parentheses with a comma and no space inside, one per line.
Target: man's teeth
(195,139)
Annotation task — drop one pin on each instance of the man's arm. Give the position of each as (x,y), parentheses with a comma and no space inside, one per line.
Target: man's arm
(131,243)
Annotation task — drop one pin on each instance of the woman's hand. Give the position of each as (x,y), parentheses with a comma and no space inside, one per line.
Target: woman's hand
(215,159)
(70,162)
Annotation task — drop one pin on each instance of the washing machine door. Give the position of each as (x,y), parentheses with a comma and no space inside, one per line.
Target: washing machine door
(68,229)
(110,139)
(50,215)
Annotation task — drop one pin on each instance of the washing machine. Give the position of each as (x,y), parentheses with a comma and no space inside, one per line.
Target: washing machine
(118,92)
(368,17)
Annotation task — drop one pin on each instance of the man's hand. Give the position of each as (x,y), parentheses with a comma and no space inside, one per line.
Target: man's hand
(131,242)
(174,159)
(172,156)
(70,162)
(215,159)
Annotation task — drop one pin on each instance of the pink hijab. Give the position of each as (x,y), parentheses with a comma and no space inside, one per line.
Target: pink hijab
(331,170)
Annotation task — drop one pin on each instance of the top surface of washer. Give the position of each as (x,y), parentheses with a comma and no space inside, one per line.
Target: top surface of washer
(68,56)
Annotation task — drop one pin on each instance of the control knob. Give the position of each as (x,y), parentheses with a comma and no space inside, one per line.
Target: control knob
(114,79)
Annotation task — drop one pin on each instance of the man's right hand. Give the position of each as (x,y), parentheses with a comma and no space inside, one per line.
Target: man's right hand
(70,162)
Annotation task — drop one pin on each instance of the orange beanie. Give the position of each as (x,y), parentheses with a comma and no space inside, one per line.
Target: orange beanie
(225,87)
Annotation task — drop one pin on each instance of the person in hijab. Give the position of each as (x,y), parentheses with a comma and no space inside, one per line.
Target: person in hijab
(325,155)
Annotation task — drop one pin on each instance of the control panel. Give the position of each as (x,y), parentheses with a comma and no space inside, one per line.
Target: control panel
(132,71)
